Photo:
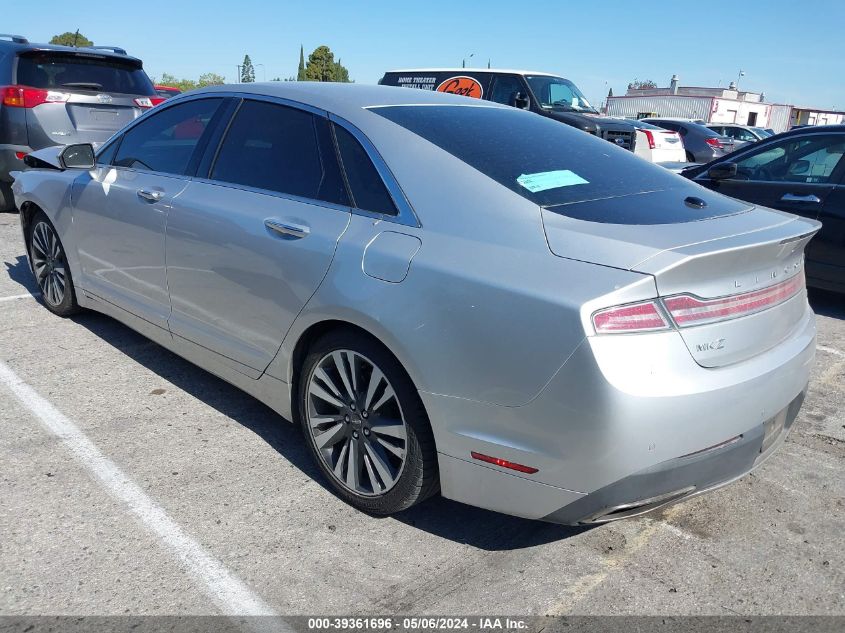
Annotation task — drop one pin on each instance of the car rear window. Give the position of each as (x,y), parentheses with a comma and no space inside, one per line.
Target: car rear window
(554,165)
(80,72)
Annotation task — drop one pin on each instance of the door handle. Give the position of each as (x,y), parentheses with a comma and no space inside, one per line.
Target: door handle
(287,229)
(791,197)
(153,195)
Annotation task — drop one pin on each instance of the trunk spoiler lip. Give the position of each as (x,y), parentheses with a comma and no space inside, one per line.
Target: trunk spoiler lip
(788,219)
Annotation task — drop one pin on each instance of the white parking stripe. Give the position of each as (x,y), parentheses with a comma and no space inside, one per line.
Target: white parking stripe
(14,297)
(830,350)
(227,591)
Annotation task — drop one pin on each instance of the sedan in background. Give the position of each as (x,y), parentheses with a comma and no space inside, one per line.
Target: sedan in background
(742,135)
(700,143)
(802,172)
(657,144)
(446,294)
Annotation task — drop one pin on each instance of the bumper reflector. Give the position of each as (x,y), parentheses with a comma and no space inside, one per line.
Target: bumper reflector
(503,463)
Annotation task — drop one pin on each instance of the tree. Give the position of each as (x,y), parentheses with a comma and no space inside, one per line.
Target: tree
(210,79)
(646,84)
(71,39)
(300,73)
(321,66)
(247,71)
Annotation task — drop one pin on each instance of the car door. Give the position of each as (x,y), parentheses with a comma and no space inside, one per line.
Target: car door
(828,247)
(251,238)
(120,208)
(798,174)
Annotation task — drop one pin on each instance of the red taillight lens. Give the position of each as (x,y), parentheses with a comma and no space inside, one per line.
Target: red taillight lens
(20,155)
(635,317)
(25,97)
(650,138)
(714,142)
(688,310)
(148,102)
(503,463)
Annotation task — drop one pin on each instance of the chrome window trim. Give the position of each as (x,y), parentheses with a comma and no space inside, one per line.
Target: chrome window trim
(406,214)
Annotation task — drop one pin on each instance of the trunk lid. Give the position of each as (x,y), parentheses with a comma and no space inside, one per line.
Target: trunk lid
(745,256)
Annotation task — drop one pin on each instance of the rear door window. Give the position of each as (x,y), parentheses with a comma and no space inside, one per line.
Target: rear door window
(82,72)
(367,187)
(166,141)
(281,149)
(555,165)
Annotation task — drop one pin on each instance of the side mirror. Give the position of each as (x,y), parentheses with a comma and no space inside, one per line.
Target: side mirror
(80,156)
(519,100)
(722,171)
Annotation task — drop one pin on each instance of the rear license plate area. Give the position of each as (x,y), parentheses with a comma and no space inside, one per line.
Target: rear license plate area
(772,430)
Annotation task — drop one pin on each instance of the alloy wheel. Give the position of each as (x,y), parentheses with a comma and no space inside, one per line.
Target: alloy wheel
(48,262)
(356,422)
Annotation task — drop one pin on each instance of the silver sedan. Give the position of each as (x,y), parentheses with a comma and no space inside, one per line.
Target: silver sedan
(447,295)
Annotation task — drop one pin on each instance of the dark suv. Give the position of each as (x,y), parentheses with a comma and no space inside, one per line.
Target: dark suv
(543,93)
(58,95)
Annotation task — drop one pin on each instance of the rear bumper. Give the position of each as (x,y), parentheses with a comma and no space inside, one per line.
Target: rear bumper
(614,425)
(683,477)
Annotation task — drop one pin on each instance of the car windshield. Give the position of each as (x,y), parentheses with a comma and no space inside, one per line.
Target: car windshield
(549,163)
(557,93)
(75,71)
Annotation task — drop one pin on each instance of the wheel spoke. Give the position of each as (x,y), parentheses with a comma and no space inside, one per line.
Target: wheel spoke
(375,380)
(318,421)
(38,240)
(380,462)
(353,471)
(400,453)
(393,428)
(385,397)
(341,460)
(374,482)
(331,436)
(328,382)
(340,361)
(318,392)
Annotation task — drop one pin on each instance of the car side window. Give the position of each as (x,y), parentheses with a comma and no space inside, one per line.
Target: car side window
(278,148)
(365,184)
(166,141)
(105,156)
(505,88)
(810,159)
(742,135)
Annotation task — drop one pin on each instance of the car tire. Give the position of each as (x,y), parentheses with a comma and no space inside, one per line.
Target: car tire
(49,265)
(366,428)
(7,199)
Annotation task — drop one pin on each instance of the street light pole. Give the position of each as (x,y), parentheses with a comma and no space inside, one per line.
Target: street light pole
(238,76)
(741,74)
(263,72)
(464,60)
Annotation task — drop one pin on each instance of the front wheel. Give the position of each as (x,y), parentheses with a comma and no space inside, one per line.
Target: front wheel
(365,424)
(49,264)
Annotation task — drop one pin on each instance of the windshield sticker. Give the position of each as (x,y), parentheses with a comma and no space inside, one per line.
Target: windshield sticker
(466,86)
(550,180)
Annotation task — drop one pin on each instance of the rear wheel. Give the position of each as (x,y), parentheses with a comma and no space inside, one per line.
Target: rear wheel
(49,264)
(365,425)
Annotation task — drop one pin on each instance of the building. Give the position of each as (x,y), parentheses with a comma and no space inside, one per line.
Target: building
(716,105)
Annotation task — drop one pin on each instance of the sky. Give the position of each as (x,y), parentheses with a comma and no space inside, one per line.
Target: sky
(792,51)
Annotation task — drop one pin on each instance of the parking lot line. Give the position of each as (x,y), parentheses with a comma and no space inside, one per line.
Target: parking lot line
(227,591)
(15,297)
(830,350)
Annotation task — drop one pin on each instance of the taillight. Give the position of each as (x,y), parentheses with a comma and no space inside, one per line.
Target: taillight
(26,97)
(714,142)
(634,317)
(650,138)
(688,310)
(148,102)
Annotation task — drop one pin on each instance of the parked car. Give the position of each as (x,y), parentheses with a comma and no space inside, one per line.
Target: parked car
(167,91)
(542,93)
(701,143)
(57,95)
(657,144)
(802,172)
(742,135)
(444,294)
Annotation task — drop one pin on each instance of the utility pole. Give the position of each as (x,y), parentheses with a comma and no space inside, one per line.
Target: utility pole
(238,77)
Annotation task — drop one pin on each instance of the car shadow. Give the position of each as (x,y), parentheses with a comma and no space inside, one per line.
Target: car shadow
(447,519)
(19,272)
(829,304)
